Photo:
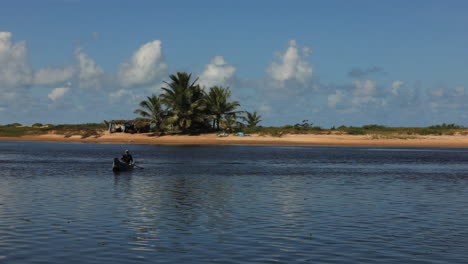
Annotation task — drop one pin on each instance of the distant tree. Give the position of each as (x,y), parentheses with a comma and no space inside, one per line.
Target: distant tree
(36,125)
(446,126)
(151,108)
(15,124)
(218,105)
(252,119)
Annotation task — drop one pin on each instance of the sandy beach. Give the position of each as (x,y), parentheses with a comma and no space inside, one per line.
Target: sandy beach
(213,139)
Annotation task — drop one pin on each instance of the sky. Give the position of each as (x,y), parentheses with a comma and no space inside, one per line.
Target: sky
(394,63)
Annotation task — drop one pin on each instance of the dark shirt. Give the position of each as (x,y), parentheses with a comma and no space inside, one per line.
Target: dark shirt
(127,158)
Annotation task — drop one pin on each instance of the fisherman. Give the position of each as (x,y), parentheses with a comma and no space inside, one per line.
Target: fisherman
(127,157)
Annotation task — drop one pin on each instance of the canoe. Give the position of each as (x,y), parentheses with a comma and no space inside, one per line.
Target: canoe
(119,165)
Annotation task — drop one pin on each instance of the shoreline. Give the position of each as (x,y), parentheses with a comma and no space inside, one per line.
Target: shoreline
(455,141)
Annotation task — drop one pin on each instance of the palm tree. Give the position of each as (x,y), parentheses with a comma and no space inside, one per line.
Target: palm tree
(152,110)
(218,105)
(252,119)
(185,100)
(229,122)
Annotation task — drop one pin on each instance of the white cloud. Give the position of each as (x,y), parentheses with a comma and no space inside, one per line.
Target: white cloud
(335,99)
(15,70)
(365,88)
(459,91)
(90,73)
(122,94)
(437,92)
(265,108)
(145,66)
(58,93)
(395,88)
(49,76)
(454,94)
(292,65)
(365,92)
(216,73)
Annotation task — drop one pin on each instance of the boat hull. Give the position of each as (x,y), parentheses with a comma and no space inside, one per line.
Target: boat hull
(119,165)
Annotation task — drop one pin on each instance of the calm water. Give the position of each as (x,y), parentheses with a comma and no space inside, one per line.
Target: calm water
(61,203)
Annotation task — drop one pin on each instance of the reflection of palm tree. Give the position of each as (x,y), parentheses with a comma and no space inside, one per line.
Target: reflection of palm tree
(218,105)
(152,110)
(185,100)
(252,119)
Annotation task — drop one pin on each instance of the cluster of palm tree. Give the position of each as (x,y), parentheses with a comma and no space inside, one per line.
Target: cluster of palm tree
(185,106)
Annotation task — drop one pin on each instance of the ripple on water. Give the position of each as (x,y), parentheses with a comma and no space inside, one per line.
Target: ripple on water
(232,205)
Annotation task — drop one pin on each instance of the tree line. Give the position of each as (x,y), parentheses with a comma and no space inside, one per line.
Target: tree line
(185,106)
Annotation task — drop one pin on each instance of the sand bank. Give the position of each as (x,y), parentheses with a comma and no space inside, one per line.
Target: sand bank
(212,139)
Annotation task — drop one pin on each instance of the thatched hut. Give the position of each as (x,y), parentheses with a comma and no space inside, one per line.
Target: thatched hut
(129,126)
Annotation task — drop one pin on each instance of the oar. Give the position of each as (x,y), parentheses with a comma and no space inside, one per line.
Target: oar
(138,166)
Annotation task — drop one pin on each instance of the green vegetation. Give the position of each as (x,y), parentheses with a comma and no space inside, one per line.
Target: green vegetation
(13,131)
(252,119)
(218,106)
(152,112)
(444,129)
(186,107)
(186,102)
(374,131)
(84,130)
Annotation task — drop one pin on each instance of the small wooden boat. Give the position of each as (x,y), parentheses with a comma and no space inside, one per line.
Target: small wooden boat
(119,165)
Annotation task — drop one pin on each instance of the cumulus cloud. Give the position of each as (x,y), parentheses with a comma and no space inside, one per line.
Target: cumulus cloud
(437,93)
(58,93)
(15,70)
(459,91)
(292,66)
(447,99)
(359,96)
(50,76)
(336,98)
(365,88)
(447,93)
(395,87)
(218,72)
(122,94)
(366,92)
(145,66)
(90,73)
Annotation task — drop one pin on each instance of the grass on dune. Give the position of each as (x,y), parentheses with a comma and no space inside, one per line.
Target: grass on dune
(377,131)
(84,130)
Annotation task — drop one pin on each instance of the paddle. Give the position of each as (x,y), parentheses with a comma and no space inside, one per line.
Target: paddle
(138,166)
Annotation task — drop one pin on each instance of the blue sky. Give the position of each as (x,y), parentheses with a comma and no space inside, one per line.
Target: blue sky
(398,63)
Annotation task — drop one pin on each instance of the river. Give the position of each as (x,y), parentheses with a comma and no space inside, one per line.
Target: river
(61,203)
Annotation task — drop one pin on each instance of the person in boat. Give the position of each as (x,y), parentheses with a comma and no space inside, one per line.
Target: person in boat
(127,157)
